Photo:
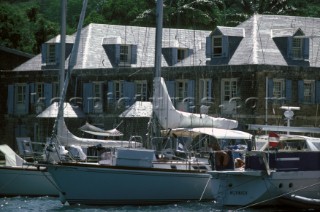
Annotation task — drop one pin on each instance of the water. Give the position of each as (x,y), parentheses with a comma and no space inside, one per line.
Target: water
(17,204)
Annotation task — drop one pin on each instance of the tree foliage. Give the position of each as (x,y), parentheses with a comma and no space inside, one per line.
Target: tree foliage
(26,24)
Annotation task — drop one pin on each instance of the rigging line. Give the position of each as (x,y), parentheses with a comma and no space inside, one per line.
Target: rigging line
(281,195)
(205,188)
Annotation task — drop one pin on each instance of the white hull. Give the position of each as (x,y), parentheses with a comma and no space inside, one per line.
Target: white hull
(107,185)
(241,188)
(26,181)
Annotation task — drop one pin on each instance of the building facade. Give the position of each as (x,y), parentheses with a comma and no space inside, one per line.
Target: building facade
(246,73)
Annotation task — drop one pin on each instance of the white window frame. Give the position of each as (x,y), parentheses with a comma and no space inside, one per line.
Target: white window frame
(51,53)
(118,89)
(125,54)
(308,91)
(297,48)
(204,90)
(141,89)
(20,93)
(217,49)
(181,89)
(229,88)
(278,88)
(97,96)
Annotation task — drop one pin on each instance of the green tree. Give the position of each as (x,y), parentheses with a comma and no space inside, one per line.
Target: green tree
(14,29)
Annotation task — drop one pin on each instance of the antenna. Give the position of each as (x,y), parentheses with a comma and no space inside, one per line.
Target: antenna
(289,113)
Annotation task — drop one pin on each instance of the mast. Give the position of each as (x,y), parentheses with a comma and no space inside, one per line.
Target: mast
(71,64)
(159,18)
(62,52)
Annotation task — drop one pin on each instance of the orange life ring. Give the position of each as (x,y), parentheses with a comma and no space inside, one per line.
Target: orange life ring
(222,158)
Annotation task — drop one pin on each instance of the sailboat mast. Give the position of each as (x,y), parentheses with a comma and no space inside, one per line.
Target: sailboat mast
(159,18)
(71,64)
(62,54)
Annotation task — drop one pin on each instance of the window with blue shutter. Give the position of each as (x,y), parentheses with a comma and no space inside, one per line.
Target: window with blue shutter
(32,93)
(317,94)
(11,98)
(225,46)
(44,53)
(300,91)
(27,94)
(288,91)
(191,85)
(87,97)
(208,47)
(306,48)
(134,54)
(129,93)
(48,94)
(171,90)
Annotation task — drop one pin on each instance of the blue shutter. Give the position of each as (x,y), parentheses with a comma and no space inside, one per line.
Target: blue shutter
(210,90)
(174,56)
(270,88)
(317,92)
(117,53)
(57,53)
(44,53)
(191,94)
(171,90)
(191,88)
(134,54)
(48,93)
(10,101)
(26,106)
(32,96)
(129,93)
(208,47)
(306,48)
(300,91)
(225,46)
(87,95)
(289,47)
(110,92)
(288,90)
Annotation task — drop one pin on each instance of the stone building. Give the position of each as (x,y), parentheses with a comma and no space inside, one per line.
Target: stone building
(246,73)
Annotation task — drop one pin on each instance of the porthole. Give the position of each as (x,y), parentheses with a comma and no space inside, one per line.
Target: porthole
(280,185)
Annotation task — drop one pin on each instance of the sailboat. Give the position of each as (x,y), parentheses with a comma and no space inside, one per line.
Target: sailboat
(284,171)
(138,176)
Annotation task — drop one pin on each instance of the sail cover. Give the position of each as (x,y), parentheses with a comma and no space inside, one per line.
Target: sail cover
(66,138)
(93,130)
(214,132)
(169,117)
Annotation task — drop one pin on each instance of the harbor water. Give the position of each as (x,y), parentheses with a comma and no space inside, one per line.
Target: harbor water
(17,204)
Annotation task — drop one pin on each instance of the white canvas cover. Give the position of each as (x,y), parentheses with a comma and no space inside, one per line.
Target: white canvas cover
(66,138)
(12,159)
(93,130)
(215,132)
(169,117)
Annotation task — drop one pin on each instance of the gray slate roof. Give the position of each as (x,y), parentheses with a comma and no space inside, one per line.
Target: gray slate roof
(256,47)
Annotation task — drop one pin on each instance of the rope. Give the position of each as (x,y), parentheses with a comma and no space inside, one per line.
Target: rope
(205,187)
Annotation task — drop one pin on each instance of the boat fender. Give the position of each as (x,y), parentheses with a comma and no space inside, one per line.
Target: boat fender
(222,158)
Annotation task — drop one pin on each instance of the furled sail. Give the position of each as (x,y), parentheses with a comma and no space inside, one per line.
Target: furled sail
(169,117)
(93,130)
(66,138)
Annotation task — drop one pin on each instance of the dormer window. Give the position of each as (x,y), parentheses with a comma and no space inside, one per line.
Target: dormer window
(124,54)
(120,54)
(297,48)
(217,46)
(51,53)
(182,54)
